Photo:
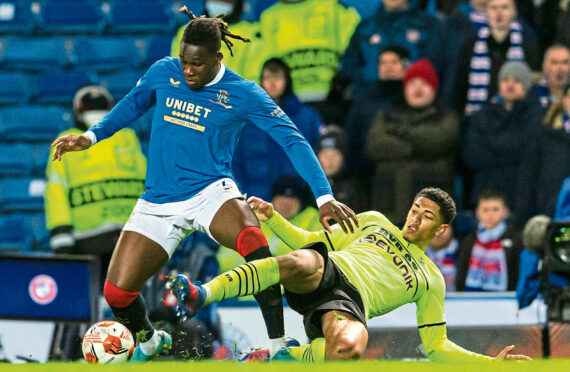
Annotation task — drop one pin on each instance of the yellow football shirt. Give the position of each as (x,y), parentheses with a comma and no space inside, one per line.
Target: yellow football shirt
(388,272)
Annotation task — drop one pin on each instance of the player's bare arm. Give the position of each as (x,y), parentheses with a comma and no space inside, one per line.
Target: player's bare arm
(69,143)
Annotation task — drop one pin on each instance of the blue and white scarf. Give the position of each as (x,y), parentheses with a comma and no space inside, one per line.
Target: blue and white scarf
(566,121)
(480,73)
(543,93)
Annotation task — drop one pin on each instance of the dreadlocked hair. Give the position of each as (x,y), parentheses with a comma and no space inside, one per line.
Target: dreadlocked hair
(209,32)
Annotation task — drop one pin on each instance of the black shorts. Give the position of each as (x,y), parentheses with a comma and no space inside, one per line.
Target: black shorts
(333,293)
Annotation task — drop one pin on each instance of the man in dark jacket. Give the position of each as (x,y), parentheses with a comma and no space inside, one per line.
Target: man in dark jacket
(489,257)
(397,22)
(546,163)
(413,144)
(497,135)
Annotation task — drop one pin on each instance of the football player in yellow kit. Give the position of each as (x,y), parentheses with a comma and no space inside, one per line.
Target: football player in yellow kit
(338,281)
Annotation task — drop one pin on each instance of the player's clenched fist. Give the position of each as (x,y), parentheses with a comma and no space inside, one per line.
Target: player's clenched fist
(263,210)
(69,143)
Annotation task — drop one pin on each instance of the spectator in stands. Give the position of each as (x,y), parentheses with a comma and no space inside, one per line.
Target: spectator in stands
(546,162)
(392,64)
(563,24)
(489,257)
(412,144)
(443,251)
(90,195)
(497,135)
(331,150)
(460,27)
(289,195)
(258,160)
(556,74)
(482,57)
(397,22)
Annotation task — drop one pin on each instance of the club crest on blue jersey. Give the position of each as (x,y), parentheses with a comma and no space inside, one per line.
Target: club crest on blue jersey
(223,99)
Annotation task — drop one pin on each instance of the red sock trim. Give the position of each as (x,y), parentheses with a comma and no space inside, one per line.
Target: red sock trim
(117,297)
(249,240)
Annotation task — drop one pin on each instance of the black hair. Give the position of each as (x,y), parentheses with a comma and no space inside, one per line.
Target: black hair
(491,194)
(277,64)
(209,32)
(447,208)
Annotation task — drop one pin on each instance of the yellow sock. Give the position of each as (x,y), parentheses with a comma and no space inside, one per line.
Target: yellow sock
(247,279)
(313,352)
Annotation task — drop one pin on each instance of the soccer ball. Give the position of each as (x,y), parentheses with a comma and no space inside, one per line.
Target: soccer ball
(107,342)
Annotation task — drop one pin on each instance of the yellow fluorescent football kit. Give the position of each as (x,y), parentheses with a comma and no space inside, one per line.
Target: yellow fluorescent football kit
(388,272)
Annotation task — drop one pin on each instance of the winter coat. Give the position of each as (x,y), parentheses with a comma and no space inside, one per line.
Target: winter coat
(412,149)
(494,142)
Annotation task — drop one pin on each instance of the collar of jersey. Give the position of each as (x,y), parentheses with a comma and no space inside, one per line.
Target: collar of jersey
(219,75)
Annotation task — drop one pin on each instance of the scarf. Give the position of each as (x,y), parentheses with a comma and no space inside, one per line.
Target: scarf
(480,69)
(488,264)
(566,121)
(444,259)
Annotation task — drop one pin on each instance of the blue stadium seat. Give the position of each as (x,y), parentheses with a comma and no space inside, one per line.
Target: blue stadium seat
(15,234)
(34,54)
(105,54)
(37,223)
(16,17)
(16,88)
(145,16)
(157,48)
(71,17)
(16,160)
(197,7)
(59,87)
(120,83)
(21,194)
(40,156)
(33,123)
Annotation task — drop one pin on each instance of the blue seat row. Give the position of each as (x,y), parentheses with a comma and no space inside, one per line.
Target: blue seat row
(23,232)
(93,17)
(86,53)
(23,159)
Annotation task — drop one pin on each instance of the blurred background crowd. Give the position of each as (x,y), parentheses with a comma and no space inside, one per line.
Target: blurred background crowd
(393,96)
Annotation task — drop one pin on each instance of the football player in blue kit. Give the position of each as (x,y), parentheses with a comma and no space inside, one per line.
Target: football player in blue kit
(201,109)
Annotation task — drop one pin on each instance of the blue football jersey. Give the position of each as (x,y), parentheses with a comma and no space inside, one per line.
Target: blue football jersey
(194,132)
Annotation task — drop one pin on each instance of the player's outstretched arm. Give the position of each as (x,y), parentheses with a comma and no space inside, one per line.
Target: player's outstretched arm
(342,214)
(69,143)
(504,355)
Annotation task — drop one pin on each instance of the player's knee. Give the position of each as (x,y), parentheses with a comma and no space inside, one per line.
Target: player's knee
(117,297)
(250,240)
(348,346)
(302,263)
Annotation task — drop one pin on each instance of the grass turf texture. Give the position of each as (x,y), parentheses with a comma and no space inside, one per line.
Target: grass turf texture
(358,366)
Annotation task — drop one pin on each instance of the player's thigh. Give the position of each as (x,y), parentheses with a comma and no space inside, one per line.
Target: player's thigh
(346,336)
(232,217)
(301,271)
(136,258)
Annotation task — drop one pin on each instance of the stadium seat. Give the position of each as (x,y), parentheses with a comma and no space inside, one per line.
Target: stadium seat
(40,155)
(146,16)
(16,160)
(15,234)
(157,48)
(16,17)
(16,88)
(71,17)
(120,83)
(37,223)
(105,54)
(21,194)
(33,123)
(34,54)
(59,87)
(198,7)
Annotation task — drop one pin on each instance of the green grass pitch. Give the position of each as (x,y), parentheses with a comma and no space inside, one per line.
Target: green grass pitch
(558,365)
